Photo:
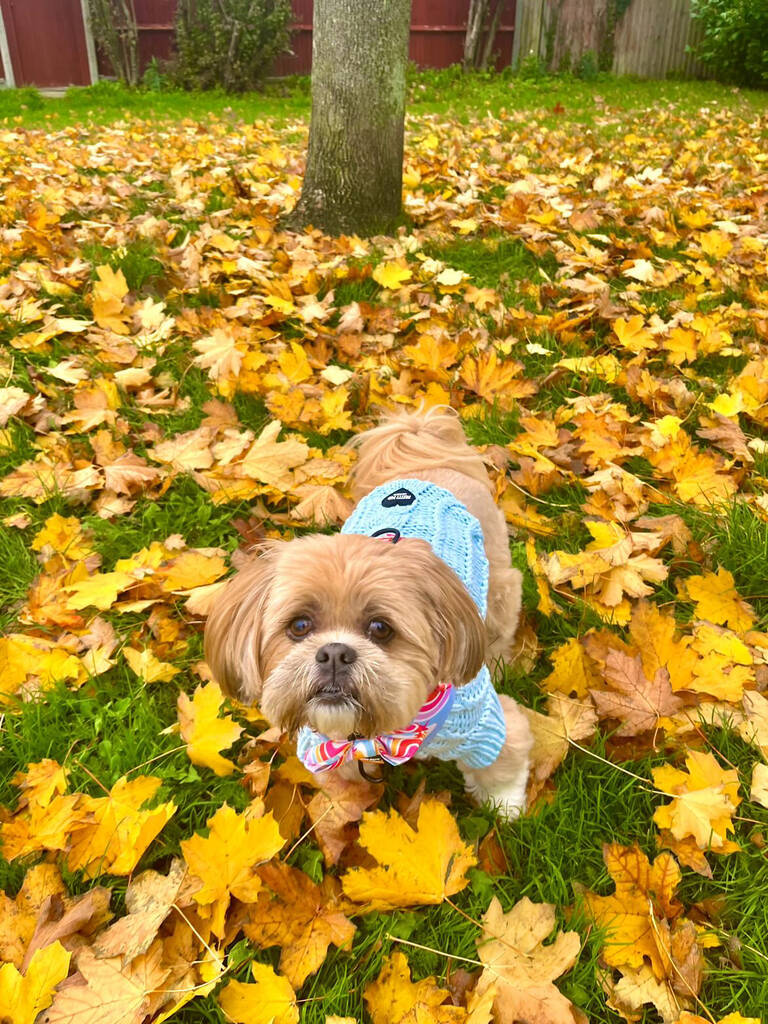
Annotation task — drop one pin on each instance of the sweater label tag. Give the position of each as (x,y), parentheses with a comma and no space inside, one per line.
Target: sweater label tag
(399,499)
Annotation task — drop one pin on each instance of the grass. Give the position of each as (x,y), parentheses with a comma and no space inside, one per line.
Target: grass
(115,725)
(448,92)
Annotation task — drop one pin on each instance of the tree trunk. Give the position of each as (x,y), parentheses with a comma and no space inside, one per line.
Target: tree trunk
(580,26)
(353,181)
(477,12)
(490,36)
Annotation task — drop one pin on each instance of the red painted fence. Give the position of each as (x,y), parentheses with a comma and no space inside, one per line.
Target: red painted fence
(437,35)
(47,39)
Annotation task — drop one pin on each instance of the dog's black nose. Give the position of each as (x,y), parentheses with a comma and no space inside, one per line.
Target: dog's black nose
(336,656)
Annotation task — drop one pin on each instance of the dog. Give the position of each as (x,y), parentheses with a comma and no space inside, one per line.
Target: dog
(373,644)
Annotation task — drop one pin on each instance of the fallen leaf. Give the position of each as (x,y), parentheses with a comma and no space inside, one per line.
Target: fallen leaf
(301,917)
(24,996)
(521,967)
(270,1000)
(636,702)
(421,865)
(716,599)
(394,999)
(204,732)
(705,797)
(226,860)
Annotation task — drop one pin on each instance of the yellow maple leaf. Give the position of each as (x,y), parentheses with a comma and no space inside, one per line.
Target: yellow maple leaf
(269,1000)
(521,967)
(185,452)
(465,226)
(638,987)
(704,798)
(335,416)
(193,568)
(204,732)
(633,335)
(64,535)
(107,991)
(450,277)
(221,357)
(295,364)
(716,599)
(699,479)
(493,379)
(571,672)
(24,996)
(118,832)
(107,302)
(606,367)
(433,356)
(40,782)
(566,720)
(39,828)
(23,656)
(715,243)
(148,667)
(19,915)
(641,270)
(99,591)
(656,637)
(644,896)
(301,917)
(394,999)
(416,865)
(391,275)
(225,861)
(269,461)
(681,346)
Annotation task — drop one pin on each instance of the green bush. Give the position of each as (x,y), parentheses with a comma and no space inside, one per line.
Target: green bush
(735,42)
(532,68)
(229,44)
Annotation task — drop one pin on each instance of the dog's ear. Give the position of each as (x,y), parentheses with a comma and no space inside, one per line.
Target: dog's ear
(459,630)
(233,632)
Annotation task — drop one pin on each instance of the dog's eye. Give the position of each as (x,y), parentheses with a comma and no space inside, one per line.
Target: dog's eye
(379,630)
(300,627)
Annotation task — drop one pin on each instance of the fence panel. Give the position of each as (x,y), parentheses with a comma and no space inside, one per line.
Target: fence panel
(437,33)
(650,40)
(46,42)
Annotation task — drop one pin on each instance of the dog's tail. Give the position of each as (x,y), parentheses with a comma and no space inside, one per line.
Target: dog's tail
(409,443)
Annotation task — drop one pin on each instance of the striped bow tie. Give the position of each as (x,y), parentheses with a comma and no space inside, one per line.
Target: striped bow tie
(320,754)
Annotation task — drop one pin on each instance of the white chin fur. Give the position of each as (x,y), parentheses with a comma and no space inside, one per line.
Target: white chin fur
(336,721)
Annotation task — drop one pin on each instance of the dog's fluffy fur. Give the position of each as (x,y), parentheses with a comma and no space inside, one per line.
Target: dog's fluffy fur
(341,583)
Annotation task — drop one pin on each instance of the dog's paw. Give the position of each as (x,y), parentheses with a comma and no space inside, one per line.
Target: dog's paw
(507,795)
(508,800)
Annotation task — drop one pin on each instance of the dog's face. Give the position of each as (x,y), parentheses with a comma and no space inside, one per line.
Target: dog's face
(344,633)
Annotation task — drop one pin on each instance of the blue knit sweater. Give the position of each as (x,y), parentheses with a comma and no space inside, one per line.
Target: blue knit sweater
(474,731)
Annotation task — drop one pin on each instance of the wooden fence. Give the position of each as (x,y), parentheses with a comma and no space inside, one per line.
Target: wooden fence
(650,39)
(436,40)
(49,42)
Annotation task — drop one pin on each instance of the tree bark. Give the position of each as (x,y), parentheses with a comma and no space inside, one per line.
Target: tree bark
(353,181)
(580,26)
(477,12)
(490,36)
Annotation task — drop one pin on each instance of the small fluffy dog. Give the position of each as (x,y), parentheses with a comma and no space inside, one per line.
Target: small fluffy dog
(373,643)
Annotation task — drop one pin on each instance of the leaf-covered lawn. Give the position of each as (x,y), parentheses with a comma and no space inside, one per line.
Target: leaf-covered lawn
(586,282)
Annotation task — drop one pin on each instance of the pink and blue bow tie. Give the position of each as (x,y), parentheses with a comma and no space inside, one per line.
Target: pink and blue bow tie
(320,754)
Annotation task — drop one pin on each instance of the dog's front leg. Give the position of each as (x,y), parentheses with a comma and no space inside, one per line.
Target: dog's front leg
(503,783)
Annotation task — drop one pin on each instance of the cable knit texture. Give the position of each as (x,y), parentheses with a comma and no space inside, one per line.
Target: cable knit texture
(474,731)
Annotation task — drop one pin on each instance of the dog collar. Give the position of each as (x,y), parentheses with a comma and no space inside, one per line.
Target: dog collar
(320,754)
